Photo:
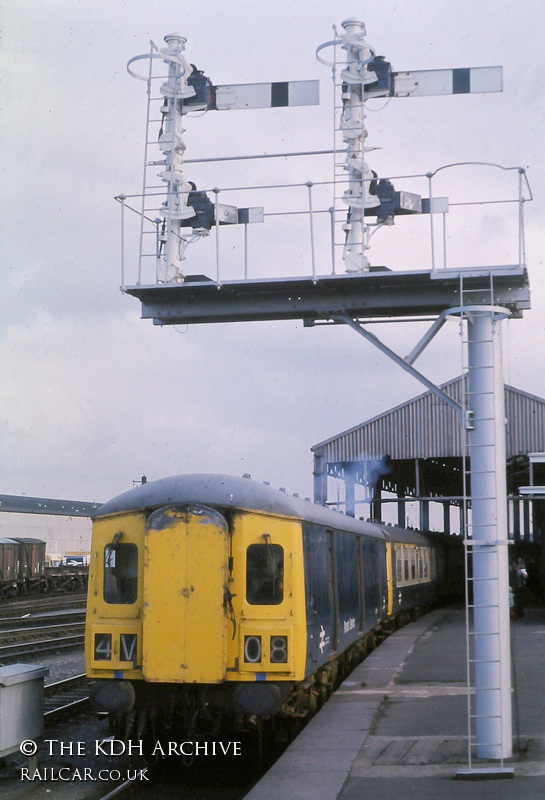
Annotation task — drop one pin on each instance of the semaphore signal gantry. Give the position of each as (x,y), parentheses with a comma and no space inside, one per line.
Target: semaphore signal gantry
(181,214)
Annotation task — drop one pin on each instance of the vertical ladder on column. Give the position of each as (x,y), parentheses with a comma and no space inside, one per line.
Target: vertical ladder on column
(483,654)
(153,191)
(339,158)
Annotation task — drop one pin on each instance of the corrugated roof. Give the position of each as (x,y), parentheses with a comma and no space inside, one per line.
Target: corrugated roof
(425,427)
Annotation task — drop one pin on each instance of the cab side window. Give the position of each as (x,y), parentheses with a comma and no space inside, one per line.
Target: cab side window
(120,573)
(265,574)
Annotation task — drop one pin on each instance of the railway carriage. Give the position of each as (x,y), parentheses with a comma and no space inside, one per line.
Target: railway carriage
(9,567)
(21,565)
(211,595)
(31,553)
(24,569)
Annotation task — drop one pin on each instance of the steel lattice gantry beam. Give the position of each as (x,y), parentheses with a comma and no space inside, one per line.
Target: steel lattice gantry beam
(375,294)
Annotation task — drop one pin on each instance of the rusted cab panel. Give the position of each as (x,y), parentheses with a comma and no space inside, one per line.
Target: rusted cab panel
(185,563)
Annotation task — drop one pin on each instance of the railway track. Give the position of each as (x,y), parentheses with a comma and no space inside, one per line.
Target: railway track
(14,627)
(42,594)
(210,782)
(11,653)
(33,629)
(39,604)
(65,697)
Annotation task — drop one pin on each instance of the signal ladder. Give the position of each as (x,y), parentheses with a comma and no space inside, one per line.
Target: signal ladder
(152,222)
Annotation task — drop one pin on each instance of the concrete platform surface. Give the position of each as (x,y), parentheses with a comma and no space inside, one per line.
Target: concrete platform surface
(396,729)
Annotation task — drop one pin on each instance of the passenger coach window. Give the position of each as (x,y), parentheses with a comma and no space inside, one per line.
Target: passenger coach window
(265,574)
(399,565)
(120,573)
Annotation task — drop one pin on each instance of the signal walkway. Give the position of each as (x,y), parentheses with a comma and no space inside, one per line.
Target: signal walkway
(397,727)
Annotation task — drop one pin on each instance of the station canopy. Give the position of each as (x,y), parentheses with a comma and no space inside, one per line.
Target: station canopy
(427,432)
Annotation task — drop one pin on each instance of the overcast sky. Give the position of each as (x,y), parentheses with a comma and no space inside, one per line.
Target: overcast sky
(91,396)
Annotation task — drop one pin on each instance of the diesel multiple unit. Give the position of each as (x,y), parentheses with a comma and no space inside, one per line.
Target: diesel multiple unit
(213,595)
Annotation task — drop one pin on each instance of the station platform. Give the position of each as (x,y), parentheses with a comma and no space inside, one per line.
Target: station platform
(396,729)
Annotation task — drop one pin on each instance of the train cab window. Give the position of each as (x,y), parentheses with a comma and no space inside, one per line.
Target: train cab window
(120,573)
(265,574)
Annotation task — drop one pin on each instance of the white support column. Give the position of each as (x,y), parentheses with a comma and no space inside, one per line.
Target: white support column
(350,492)
(175,208)
(357,197)
(492,668)
(172,237)
(320,479)
(354,77)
